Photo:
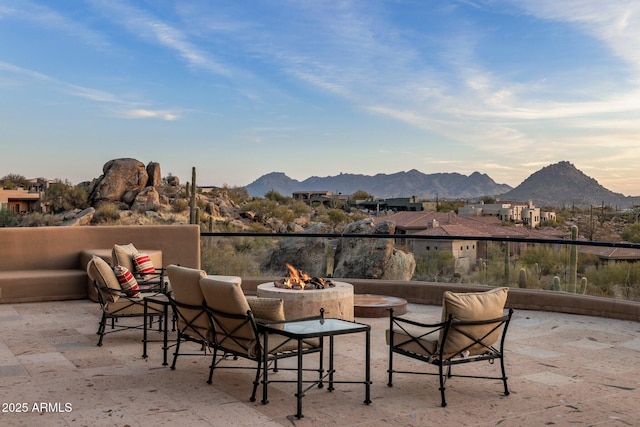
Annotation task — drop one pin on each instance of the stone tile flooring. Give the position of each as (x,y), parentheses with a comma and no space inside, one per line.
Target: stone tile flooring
(563,370)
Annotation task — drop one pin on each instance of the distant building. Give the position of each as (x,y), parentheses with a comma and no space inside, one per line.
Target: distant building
(398,204)
(518,212)
(25,200)
(449,226)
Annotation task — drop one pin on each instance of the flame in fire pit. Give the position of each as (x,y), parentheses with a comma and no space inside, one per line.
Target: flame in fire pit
(298,279)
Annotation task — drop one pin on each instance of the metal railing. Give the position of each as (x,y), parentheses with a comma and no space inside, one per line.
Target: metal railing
(594,268)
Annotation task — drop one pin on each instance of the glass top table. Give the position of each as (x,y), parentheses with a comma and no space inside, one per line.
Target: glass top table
(301,330)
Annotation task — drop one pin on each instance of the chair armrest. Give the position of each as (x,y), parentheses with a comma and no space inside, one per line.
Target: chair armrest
(266,309)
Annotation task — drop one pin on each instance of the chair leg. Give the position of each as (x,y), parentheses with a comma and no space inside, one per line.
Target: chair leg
(101,328)
(442,382)
(390,370)
(256,381)
(504,377)
(213,365)
(175,353)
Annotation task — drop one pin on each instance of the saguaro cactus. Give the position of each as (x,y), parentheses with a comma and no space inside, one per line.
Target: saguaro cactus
(583,286)
(507,278)
(573,262)
(555,285)
(522,278)
(192,200)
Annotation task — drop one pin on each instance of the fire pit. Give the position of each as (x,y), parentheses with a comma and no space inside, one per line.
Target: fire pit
(303,295)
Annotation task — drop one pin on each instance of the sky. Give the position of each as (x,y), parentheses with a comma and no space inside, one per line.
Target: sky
(240,89)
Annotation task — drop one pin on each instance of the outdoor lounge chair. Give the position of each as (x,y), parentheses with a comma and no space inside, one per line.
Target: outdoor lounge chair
(472,329)
(236,323)
(187,302)
(116,302)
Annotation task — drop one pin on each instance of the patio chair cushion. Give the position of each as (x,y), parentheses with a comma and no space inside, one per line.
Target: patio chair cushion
(129,306)
(425,346)
(101,272)
(469,307)
(186,290)
(227,297)
(128,283)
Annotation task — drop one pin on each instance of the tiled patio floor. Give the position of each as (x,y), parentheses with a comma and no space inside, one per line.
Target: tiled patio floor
(563,370)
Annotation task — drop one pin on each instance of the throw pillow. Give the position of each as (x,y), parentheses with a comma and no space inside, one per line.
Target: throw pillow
(143,264)
(122,255)
(127,282)
(101,272)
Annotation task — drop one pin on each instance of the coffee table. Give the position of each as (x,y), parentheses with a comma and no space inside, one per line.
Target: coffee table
(158,300)
(301,330)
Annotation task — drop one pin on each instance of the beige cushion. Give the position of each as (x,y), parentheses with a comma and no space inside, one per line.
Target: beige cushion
(133,306)
(227,297)
(424,346)
(185,284)
(123,255)
(101,272)
(468,307)
(267,309)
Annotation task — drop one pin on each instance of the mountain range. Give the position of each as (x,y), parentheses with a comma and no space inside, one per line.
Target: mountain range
(560,184)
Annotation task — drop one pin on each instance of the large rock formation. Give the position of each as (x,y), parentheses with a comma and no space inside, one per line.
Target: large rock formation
(372,258)
(122,180)
(306,254)
(155,177)
(356,258)
(147,200)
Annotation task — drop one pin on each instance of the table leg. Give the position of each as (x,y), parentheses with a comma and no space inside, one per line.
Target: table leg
(144,330)
(299,394)
(367,382)
(165,337)
(331,363)
(265,368)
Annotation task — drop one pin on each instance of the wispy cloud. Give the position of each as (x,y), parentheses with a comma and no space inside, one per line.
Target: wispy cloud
(617,23)
(148,114)
(148,27)
(47,18)
(95,95)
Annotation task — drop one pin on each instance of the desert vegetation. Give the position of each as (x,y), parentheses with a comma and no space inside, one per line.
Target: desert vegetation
(230,209)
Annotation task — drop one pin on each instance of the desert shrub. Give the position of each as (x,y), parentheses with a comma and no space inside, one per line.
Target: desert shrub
(107,212)
(275,196)
(547,260)
(8,218)
(617,279)
(180,205)
(235,256)
(435,266)
(12,181)
(268,209)
(336,217)
(63,196)
(631,233)
(36,219)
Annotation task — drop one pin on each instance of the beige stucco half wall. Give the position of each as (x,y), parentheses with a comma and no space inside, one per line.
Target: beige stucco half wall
(44,263)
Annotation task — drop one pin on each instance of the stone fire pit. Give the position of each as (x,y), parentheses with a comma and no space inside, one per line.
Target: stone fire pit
(337,301)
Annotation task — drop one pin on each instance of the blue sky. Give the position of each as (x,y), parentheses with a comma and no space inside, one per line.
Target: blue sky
(239,89)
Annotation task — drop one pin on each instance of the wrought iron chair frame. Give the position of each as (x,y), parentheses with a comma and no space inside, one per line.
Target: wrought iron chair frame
(441,360)
(224,337)
(193,336)
(117,314)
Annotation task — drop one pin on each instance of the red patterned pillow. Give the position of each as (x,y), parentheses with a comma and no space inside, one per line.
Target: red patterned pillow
(127,282)
(143,264)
